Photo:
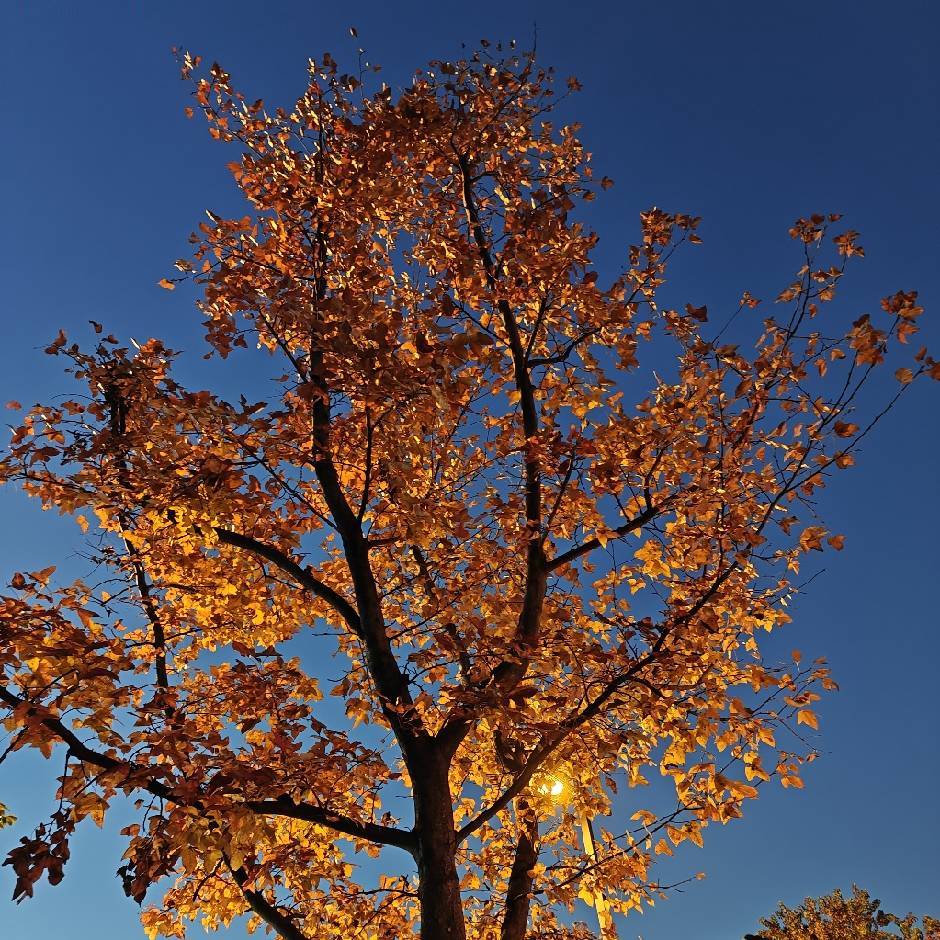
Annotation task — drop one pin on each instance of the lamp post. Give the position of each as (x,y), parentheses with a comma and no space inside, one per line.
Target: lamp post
(554,787)
(605,920)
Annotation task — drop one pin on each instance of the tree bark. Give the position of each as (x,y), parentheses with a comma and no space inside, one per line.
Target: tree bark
(438,883)
(518,891)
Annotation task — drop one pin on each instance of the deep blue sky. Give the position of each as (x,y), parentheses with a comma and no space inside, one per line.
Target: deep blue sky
(748,114)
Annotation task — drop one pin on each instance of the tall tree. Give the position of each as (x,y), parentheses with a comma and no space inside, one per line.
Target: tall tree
(519,569)
(835,917)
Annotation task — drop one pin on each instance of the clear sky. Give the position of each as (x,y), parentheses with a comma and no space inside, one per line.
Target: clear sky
(748,114)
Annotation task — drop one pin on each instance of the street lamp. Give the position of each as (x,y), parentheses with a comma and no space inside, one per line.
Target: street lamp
(554,786)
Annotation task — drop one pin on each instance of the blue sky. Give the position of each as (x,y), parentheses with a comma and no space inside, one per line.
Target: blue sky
(746,114)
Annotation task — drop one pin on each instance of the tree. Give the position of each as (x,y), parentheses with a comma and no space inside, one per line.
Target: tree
(452,516)
(835,917)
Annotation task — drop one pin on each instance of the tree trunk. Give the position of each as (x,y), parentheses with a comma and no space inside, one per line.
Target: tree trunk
(438,883)
(518,896)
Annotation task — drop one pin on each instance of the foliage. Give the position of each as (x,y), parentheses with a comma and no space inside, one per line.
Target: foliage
(462,517)
(835,917)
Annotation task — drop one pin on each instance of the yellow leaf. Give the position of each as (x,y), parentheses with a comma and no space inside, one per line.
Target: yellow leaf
(651,554)
(742,790)
(587,896)
(766,735)
(805,717)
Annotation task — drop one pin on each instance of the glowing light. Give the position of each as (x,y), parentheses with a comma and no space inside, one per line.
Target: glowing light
(552,787)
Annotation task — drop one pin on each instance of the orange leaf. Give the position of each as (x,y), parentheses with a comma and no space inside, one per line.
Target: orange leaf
(811,539)
(805,717)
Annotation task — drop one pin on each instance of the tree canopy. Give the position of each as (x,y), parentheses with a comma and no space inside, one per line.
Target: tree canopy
(835,917)
(468,553)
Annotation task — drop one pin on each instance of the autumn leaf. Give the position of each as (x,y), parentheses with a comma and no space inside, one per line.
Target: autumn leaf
(742,790)
(805,717)
(54,347)
(811,538)
(651,554)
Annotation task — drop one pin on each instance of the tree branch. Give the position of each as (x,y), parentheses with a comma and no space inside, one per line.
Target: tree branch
(301,575)
(463,657)
(368,831)
(569,347)
(566,557)
(509,672)
(138,776)
(390,682)
(270,913)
